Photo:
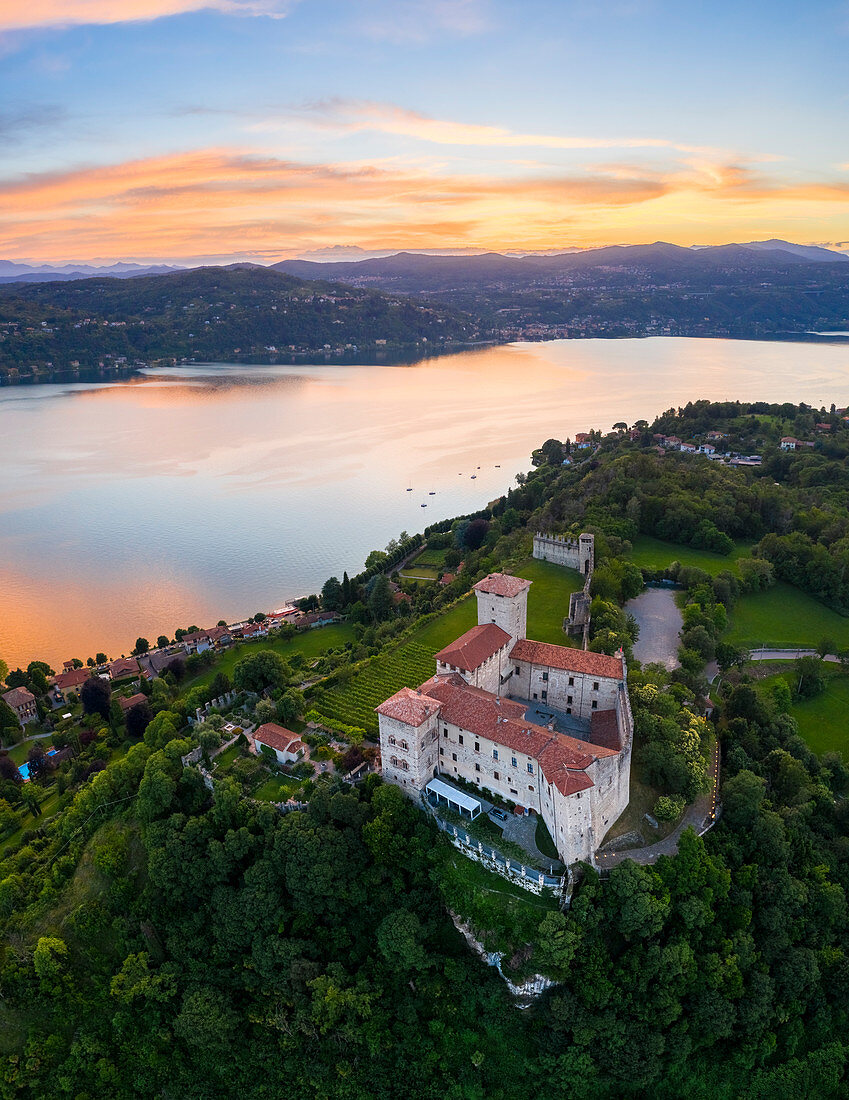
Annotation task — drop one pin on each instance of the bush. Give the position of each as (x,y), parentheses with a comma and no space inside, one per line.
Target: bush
(669,807)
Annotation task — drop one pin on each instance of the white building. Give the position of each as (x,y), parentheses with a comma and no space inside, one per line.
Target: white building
(545,726)
(286,746)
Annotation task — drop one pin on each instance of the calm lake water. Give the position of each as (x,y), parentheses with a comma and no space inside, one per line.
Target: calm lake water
(215,491)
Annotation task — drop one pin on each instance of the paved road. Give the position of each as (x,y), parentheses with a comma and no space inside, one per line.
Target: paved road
(763,654)
(701,816)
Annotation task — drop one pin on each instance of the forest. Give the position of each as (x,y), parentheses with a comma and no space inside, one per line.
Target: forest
(163,939)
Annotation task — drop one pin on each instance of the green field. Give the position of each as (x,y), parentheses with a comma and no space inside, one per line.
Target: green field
(651,553)
(822,720)
(784,617)
(411,663)
(419,573)
(312,643)
(430,559)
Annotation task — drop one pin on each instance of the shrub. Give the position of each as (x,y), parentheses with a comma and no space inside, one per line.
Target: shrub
(669,807)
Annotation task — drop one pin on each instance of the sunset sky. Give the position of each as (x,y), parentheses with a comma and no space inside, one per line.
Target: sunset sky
(184,131)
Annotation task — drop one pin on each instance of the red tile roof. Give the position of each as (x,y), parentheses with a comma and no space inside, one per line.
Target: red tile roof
(502,584)
(570,660)
(604,729)
(276,737)
(19,697)
(474,647)
(73,678)
(132,701)
(411,707)
(123,667)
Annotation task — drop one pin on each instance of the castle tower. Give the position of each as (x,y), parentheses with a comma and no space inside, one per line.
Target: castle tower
(409,746)
(586,553)
(503,600)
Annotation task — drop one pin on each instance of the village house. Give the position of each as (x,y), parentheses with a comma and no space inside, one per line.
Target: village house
(199,641)
(582,440)
(790,443)
(286,746)
(717,435)
(707,449)
(126,703)
(546,727)
(71,681)
(23,704)
(125,666)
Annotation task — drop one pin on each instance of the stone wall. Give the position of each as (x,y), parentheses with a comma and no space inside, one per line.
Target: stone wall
(573,553)
(572,692)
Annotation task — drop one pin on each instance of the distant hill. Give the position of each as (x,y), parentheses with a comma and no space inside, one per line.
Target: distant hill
(414,273)
(11,272)
(240,313)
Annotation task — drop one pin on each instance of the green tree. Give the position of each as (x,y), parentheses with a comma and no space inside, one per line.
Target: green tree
(399,938)
(380,599)
(96,697)
(331,595)
(142,646)
(261,671)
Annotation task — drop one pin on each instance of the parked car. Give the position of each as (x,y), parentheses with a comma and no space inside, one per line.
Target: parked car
(502,815)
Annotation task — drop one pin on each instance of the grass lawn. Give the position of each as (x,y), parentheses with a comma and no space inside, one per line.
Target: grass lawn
(278,788)
(651,553)
(19,752)
(430,559)
(225,759)
(411,663)
(822,720)
(419,573)
(783,616)
(311,643)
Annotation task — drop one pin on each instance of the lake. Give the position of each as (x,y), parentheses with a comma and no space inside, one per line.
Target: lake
(214,491)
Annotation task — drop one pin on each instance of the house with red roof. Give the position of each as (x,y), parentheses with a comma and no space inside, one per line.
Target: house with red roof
(22,702)
(545,726)
(71,681)
(286,746)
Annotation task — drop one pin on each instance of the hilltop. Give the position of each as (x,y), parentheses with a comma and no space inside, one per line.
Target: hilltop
(237,313)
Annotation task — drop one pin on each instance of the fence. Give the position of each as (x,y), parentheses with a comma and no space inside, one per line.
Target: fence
(529,878)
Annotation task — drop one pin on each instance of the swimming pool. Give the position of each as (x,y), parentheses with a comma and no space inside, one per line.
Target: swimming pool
(24,768)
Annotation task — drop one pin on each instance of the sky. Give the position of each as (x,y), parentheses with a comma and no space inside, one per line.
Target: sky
(206,131)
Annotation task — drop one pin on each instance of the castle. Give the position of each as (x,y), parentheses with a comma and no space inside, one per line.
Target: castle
(545,726)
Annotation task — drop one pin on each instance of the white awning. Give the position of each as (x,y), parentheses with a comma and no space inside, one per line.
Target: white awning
(450,794)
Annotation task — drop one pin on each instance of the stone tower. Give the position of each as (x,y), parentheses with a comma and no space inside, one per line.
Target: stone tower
(503,600)
(586,553)
(409,733)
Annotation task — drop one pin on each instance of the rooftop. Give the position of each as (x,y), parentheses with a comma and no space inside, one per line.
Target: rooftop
(474,647)
(408,706)
(277,737)
(570,660)
(19,697)
(502,584)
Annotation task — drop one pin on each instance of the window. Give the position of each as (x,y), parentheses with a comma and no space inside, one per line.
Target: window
(568,710)
(454,757)
(530,768)
(512,791)
(530,786)
(595,685)
(545,695)
(460,738)
(496,775)
(444,731)
(495,754)
(595,704)
(545,677)
(477,746)
(535,695)
(392,740)
(517,671)
(515,764)
(571,681)
(434,734)
(403,745)
(441,751)
(568,698)
(477,767)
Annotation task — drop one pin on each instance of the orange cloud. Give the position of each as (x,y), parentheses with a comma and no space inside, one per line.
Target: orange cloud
(15,15)
(352,116)
(225,202)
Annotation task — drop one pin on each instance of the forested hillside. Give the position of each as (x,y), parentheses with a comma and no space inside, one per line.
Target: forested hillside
(231,314)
